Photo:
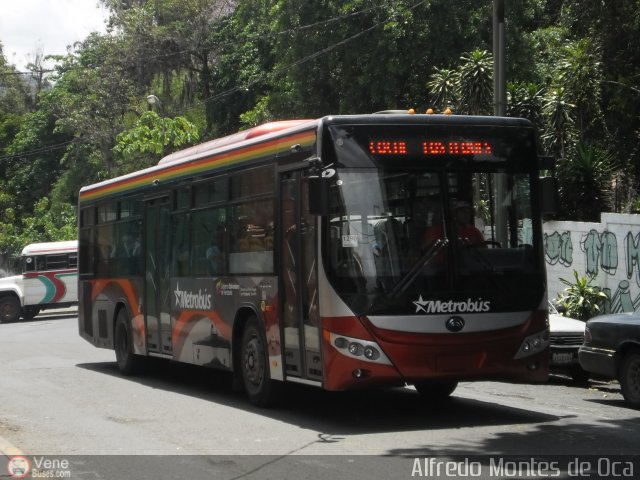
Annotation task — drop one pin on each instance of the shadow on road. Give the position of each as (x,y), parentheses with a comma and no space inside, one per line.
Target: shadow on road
(341,413)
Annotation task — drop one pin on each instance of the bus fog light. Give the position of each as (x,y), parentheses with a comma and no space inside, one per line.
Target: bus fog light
(360,373)
(355,349)
(533,366)
(532,345)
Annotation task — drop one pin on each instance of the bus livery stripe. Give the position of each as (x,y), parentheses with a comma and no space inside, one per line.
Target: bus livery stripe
(55,288)
(194,167)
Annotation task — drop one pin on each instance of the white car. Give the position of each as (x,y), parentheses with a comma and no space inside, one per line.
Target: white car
(567,336)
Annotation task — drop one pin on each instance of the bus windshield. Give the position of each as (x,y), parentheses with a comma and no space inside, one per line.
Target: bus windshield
(447,229)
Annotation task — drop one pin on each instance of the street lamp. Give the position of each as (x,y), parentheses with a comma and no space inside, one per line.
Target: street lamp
(152,100)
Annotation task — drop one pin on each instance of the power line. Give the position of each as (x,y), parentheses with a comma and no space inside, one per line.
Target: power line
(307,58)
(262,77)
(247,38)
(37,151)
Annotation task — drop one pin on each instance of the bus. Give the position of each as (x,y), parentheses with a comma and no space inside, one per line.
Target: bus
(304,251)
(49,279)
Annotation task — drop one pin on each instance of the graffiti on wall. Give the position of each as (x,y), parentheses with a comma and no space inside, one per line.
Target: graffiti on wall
(601,260)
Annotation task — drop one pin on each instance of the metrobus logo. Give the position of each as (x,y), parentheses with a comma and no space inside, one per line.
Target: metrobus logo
(186,299)
(469,305)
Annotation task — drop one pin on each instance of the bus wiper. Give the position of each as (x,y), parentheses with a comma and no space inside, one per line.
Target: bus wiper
(482,260)
(422,262)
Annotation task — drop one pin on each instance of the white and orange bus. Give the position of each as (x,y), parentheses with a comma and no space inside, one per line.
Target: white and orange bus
(344,252)
(49,279)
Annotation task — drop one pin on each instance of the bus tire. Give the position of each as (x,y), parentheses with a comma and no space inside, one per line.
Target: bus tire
(254,365)
(629,378)
(128,362)
(436,390)
(29,312)
(9,309)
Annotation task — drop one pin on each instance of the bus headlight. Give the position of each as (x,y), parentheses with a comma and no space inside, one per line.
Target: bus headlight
(532,345)
(371,353)
(358,348)
(355,349)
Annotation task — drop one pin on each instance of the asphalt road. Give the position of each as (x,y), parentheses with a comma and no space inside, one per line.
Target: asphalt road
(63,399)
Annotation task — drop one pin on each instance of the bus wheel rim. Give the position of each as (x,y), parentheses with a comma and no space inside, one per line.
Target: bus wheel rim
(252,365)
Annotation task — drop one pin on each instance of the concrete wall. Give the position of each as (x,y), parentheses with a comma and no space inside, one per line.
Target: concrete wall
(608,252)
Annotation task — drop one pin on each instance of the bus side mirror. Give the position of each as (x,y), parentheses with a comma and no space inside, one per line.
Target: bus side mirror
(549,194)
(318,195)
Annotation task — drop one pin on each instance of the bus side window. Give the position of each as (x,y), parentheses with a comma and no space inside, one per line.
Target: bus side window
(41,263)
(73,260)
(29,264)
(251,238)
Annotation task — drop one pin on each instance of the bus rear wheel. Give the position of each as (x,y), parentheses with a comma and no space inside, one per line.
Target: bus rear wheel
(9,309)
(436,390)
(254,365)
(128,362)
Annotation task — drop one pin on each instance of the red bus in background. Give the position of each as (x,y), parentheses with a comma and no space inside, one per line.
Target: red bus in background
(344,252)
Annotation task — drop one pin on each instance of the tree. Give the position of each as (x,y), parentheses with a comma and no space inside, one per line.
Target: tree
(444,86)
(559,133)
(580,74)
(152,135)
(585,179)
(476,83)
(526,100)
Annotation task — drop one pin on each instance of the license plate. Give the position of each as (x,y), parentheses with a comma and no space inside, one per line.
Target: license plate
(562,358)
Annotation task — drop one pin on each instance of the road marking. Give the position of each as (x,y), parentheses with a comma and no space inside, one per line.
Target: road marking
(8,449)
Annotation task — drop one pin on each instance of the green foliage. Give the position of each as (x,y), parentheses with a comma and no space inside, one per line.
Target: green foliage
(444,88)
(580,299)
(525,100)
(476,83)
(152,134)
(559,133)
(586,178)
(573,68)
(48,223)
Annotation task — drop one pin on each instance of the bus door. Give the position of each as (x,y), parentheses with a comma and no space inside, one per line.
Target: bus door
(157,290)
(298,288)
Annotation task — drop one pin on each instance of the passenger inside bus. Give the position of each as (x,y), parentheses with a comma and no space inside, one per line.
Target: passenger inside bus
(214,253)
(466,231)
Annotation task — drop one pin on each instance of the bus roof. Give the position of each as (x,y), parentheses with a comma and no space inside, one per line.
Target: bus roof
(260,142)
(213,145)
(46,248)
(226,152)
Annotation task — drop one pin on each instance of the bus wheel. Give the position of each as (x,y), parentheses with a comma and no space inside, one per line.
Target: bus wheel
(128,362)
(29,312)
(9,309)
(630,378)
(261,390)
(436,389)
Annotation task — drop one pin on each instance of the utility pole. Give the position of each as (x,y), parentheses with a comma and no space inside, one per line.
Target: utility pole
(499,84)
(499,109)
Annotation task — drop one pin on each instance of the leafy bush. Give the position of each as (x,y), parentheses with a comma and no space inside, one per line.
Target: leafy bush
(580,299)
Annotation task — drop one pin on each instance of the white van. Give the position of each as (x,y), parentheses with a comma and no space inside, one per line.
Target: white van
(49,279)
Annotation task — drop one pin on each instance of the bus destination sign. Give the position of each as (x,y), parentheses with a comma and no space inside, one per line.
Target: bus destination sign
(430,147)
